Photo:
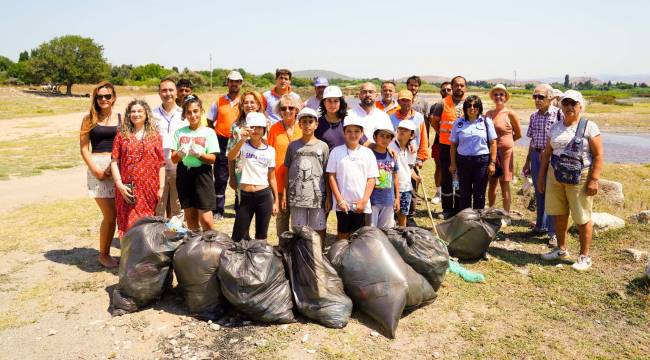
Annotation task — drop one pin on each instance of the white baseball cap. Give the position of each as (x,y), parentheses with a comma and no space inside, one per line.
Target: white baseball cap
(407,124)
(255,119)
(306,112)
(235,75)
(332,92)
(352,120)
(574,95)
(385,127)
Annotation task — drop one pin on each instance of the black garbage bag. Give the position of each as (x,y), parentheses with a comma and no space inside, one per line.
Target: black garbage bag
(317,289)
(196,263)
(469,233)
(379,282)
(252,279)
(145,264)
(423,251)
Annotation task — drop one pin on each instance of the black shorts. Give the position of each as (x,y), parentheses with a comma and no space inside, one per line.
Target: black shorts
(195,187)
(350,222)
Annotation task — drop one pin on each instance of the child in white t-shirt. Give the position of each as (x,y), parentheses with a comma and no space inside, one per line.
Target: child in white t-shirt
(351,171)
(405,163)
(258,188)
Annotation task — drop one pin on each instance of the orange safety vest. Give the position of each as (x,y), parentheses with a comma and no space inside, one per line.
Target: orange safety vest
(226,115)
(447,120)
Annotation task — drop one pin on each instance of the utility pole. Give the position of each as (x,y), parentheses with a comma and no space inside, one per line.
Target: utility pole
(515,84)
(210,71)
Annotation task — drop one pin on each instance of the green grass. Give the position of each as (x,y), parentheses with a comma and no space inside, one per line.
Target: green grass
(31,155)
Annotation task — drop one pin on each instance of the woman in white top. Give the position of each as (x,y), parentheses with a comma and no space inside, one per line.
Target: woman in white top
(258,187)
(562,198)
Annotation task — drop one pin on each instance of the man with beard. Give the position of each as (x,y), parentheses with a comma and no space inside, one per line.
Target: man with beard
(320,83)
(443,121)
(366,110)
(420,105)
(222,115)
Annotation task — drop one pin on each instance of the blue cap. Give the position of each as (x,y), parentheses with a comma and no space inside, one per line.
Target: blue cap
(321,81)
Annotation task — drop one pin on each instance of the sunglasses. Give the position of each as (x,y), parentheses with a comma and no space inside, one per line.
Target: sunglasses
(499,95)
(287,108)
(104,97)
(445,90)
(473,106)
(569,102)
(539,97)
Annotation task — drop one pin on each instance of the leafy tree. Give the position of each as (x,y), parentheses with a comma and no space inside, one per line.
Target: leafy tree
(69,59)
(5,63)
(149,72)
(121,74)
(24,56)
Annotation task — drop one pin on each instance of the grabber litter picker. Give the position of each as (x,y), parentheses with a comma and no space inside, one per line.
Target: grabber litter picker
(426,201)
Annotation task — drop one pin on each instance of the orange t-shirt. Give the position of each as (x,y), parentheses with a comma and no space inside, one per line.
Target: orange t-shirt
(279,139)
(390,110)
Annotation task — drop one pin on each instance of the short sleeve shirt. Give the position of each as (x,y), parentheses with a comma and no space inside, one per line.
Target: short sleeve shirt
(332,133)
(353,168)
(256,163)
(560,136)
(384,192)
(371,120)
(405,162)
(204,138)
(306,166)
(473,137)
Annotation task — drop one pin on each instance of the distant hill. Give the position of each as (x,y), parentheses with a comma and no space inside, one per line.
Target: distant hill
(428,78)
(310,74)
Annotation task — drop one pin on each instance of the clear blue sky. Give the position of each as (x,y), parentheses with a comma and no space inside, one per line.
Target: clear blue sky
(387,39)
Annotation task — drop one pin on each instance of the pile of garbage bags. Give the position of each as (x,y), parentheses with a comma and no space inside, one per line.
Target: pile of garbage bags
(381,273)
(469,233)
(145,270)
(377,279)
(196,263)
(317,289)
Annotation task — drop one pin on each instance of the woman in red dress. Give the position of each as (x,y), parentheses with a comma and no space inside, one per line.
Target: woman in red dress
(137,165)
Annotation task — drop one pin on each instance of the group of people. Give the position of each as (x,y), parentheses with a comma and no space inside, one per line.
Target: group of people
(299,160)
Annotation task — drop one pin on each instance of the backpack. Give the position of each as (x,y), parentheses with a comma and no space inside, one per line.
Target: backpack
(569,165)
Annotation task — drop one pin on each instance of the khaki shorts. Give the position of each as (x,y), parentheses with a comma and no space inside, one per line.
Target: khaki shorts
(562,199)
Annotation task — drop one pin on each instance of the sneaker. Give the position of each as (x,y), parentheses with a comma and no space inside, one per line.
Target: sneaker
(583,263)
(436,199)
(552,241)
(217,216)
(556,254)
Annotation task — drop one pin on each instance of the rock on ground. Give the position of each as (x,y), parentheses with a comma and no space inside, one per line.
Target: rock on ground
(612,191)
(641,218)
(605,221)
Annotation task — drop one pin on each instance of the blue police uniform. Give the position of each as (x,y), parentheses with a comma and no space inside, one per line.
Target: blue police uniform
(472,140)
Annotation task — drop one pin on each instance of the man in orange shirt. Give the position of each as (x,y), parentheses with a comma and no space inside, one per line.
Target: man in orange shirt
(387,103)
(222,115)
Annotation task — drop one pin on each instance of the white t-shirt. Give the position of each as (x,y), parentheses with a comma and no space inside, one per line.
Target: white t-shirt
(405,162)
(371,120)
(353,168)
(561,135)
(167,126)
(255,163)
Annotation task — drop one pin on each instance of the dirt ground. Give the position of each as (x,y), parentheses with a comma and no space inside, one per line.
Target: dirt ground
(54,297)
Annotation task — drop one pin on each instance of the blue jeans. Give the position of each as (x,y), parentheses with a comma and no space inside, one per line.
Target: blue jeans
(543,221)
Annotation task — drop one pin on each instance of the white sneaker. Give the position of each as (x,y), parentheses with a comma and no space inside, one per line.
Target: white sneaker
(552,241)
(436,199)
(583,263)
(556,254)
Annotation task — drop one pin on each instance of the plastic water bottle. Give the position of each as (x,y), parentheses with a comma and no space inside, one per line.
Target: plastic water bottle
(455,184)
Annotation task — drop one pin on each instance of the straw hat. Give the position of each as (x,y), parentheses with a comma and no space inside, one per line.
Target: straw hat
(499,87)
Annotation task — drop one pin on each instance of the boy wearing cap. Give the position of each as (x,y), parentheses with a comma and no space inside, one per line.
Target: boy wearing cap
(320,83)
(405,165)
(306,159)
(420,141)
(351,170)
(223,113)
(385,197)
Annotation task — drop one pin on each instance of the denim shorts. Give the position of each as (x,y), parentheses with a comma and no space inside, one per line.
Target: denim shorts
(405,202)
